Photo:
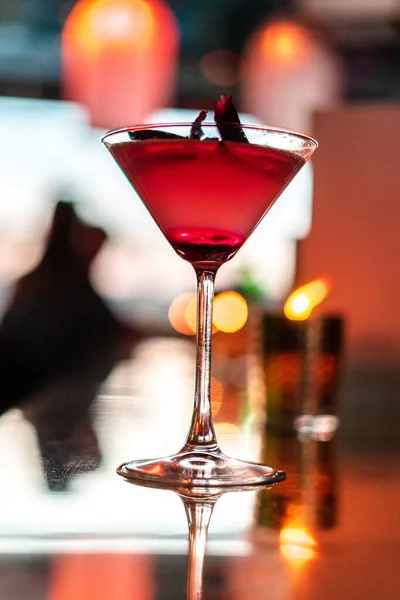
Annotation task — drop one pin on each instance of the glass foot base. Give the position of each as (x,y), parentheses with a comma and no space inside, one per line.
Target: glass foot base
(200,469)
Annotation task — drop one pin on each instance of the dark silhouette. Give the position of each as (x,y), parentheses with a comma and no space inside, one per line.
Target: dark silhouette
(58,343)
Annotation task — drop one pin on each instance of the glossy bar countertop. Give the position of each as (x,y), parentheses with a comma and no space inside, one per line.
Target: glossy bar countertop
(72,529)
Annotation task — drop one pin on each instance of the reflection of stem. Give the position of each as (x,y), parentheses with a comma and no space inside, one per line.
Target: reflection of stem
(198,515)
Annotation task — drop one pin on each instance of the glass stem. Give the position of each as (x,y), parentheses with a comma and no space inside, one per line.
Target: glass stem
(201,434)
(198,515)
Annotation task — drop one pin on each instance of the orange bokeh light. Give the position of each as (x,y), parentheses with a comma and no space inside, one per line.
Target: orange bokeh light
(177,313)
(102,23)
(285,42)
(217,394)
(229,431)
(191,314)
(119,59)
(302,301)
(230,312)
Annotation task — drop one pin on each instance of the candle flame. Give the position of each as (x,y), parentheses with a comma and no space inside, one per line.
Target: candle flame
(302,301)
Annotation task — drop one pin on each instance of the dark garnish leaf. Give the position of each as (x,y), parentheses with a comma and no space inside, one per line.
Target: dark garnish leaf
(153,134)
(228,122)
(196,131)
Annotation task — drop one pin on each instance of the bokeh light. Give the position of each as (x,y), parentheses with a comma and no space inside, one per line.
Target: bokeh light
(230,312)
(119,59)
(302,301)
(217,394)
(180,307)
(228,433)
(221,67)
(125,22)
(191,314)
(286,43)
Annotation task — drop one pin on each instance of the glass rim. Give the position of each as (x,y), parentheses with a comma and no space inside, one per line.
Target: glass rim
(266,128)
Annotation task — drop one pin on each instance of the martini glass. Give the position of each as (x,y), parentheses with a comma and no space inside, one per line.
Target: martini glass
(207,196)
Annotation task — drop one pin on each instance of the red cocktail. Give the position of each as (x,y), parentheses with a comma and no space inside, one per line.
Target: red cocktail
(206,196)
(207,188)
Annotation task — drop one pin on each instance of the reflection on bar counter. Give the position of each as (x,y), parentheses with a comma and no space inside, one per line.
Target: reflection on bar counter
(308,499)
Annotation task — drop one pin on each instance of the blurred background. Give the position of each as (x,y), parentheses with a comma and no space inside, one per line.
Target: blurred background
(97,324)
